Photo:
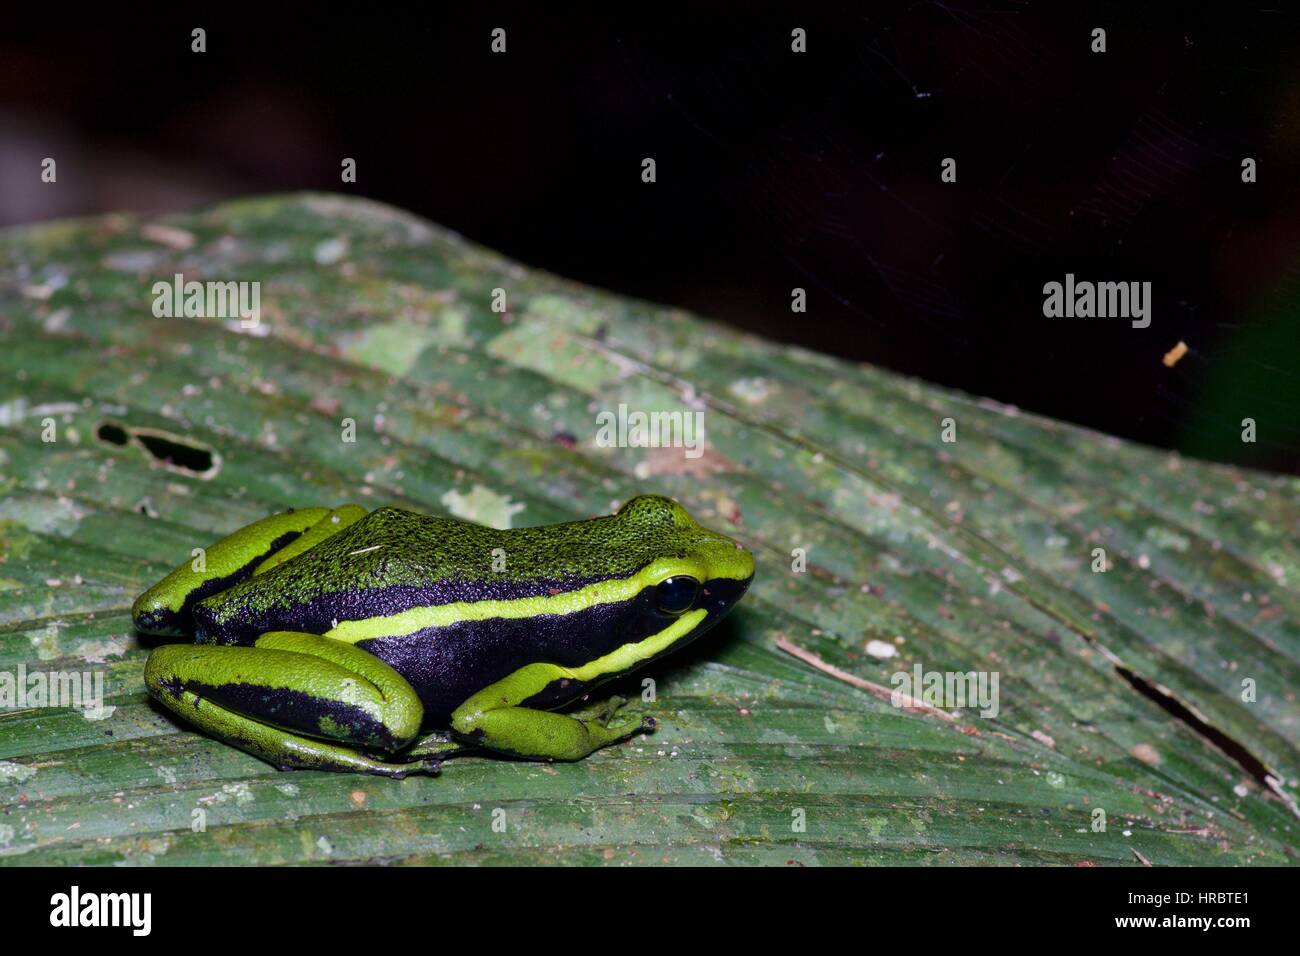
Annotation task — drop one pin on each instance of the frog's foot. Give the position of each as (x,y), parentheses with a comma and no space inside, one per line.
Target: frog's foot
(398,771)
(295,700)
(292,752)
(438,746)
(495,718)
(610,707)
(609,717)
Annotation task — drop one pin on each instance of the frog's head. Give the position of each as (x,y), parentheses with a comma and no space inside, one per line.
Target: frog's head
(689,577)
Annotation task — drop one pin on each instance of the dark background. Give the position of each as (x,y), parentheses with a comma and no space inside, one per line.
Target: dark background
(775,170)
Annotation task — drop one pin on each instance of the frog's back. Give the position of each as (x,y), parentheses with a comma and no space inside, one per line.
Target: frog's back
(393,560)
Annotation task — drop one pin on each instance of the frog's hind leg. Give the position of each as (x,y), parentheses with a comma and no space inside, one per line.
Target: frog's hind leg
(167,607)
(295,700)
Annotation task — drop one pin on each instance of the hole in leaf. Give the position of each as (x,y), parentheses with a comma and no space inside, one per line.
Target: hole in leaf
(113,434)
(174,452)
(1231,748)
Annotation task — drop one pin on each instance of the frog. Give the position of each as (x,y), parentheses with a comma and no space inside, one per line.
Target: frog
(387,641)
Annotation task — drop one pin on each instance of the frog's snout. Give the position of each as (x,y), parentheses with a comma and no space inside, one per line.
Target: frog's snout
(727,559)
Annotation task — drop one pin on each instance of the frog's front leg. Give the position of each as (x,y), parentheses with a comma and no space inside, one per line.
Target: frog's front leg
(289,694)
(493,718)
(167,607)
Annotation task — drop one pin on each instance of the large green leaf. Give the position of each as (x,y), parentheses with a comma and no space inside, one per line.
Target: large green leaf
(1120,691)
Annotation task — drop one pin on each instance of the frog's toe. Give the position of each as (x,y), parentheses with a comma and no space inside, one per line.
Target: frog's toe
(611,708)
(400,771)
(625,725)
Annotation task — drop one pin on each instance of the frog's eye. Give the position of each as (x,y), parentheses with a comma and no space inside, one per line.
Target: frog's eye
(676,594)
